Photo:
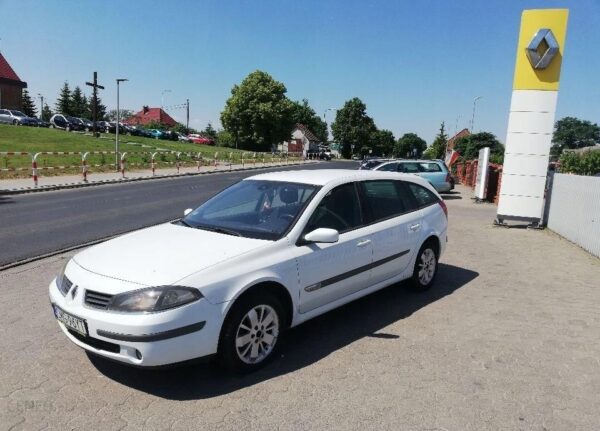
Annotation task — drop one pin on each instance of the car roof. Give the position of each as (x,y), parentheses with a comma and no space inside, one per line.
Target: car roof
(321,177)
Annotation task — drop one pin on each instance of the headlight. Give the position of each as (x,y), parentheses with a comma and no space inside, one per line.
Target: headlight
(62,282)
(154,299)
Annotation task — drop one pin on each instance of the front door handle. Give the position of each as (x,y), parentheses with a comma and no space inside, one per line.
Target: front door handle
(363,243)
(415,227)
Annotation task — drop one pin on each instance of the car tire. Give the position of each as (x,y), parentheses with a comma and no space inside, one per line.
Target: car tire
(15,123)
(426,267)
(243,336)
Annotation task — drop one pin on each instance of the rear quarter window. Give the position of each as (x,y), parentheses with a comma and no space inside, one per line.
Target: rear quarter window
(423,196)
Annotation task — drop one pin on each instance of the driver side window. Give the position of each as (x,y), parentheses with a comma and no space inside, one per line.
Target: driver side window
(339,210)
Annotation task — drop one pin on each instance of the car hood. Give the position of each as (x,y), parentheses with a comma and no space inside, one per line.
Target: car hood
(163,254)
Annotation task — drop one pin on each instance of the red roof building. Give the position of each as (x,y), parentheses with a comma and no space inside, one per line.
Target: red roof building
(148,115)
(452,141)
(11,87)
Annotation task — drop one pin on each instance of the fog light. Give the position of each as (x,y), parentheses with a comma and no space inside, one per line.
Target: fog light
(138,354)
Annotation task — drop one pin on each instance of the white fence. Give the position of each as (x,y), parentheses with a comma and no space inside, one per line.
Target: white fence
(574,210)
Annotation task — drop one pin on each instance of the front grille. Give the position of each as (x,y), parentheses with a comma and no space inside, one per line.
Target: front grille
(95,342)
(97,299)
(65,285)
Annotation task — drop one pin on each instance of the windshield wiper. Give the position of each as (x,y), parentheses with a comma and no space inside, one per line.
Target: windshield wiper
(225,231)
(183,222)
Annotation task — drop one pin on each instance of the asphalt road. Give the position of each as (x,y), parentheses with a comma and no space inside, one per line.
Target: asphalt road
(36,224)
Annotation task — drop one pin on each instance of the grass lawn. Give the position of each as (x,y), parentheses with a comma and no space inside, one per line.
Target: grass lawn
(33,140)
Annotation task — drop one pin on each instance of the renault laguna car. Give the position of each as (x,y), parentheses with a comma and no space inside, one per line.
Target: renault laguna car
(264,255)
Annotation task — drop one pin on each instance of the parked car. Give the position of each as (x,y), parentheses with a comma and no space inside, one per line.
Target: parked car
(17,118)
(40,123)
(155,133)
(60,121)
(372,162)
(183,138)
(268,253)
(76,123)
(88,125)
(199,139)
(315,153)
(434,171)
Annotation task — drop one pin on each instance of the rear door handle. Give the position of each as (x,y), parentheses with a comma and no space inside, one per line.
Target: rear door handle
(363,243)
(415,227)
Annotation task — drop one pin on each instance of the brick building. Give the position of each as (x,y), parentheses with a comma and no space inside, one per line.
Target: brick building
(11,87)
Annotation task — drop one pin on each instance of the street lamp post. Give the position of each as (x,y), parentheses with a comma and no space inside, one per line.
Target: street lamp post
(473,116)
(42,105)
(162,98)
(118,125)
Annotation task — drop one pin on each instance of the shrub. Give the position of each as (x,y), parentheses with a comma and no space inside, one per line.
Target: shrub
(586,163)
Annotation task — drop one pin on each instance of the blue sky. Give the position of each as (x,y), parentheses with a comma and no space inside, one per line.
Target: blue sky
(414,63)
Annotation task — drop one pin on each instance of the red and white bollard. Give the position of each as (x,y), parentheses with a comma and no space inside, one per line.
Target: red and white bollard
(84,166)
(178,163)
(34,170)
(153,163)
(123,163)
(216,155)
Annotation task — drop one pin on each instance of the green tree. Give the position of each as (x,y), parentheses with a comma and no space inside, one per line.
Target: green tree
(225,139)
(352,127)
(586,163)
(570,132)
(124,114)
(63,103)
(410,145)
(100,108)
(382,142)
(210,132)
(302,113)
(437,150)
(46,112)
(78,103)
(258,113)
(28,107)
(468,146)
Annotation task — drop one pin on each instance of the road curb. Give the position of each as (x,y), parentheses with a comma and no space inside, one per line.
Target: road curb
(25,190)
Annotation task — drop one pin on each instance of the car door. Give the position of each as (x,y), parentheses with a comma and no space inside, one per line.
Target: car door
(328,272)
(4,116)
(396,223)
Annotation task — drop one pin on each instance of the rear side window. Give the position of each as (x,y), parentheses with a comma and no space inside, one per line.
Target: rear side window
(423,196)
(384,199)
(390,167)
(410,168)
(430,167)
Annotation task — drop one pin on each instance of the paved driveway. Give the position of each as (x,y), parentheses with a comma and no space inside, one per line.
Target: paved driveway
(507,339)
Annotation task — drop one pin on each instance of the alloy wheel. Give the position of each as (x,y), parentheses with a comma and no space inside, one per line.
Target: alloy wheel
(427,266)
(257,334)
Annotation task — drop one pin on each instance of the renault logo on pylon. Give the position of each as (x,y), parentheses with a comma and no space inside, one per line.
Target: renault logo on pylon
(542,49)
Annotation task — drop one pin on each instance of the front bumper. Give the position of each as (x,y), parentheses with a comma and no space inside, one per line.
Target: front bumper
(146,340)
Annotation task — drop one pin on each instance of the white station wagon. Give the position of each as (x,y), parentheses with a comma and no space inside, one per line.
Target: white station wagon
(265,254)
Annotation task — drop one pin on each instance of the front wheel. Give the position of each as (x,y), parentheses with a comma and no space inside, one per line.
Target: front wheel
(425,267)
(250,333)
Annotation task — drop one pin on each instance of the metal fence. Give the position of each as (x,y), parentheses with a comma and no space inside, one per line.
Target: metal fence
(574,210)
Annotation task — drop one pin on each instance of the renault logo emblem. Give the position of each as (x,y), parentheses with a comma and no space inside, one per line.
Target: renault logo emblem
(542,49)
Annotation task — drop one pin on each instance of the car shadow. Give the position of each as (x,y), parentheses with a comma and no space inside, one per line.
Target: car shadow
(448,196)
(5,199)
(303,345)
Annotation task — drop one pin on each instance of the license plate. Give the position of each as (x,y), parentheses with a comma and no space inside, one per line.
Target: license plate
(70,321)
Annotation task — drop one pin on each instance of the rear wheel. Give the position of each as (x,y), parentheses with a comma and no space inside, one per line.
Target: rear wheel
(425,267)
(250,333)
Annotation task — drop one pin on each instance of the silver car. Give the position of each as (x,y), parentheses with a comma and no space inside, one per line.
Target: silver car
(17,118)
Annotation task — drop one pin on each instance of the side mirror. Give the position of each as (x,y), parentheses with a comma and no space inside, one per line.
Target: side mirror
(322,234)
(187,211)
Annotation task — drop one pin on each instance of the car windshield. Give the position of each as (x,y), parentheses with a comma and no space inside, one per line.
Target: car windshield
(18,114)
(253,209)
